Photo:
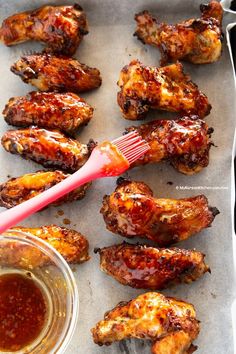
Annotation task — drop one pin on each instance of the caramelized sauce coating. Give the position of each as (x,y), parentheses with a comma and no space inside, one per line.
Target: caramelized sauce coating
(71,244)
(169,323)
(61,27)
(167,88)
(132,211)
(63,111)
(23,311)
(49,148)
(184,142)
(56,73)
(198,41)
(17,190)
(152,268)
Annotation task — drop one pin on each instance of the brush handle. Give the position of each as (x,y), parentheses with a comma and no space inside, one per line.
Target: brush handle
(90,171)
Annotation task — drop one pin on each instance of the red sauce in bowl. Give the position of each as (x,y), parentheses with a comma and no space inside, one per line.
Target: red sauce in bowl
(23,311)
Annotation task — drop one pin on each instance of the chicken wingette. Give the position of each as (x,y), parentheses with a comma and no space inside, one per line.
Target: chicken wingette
(132,211)
(56,73)
(169,323)
(149,267)
(49,148)
(71,244)
(184,142)
(61,27)
(166,88)
(63,111)
(17,190)
(198,41)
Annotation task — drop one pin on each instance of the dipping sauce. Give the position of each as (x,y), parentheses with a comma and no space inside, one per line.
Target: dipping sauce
(23,311)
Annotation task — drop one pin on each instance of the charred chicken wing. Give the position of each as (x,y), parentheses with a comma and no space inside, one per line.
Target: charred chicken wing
(52,73)
(151,268)
(169,323)
(61,27)
(63,111)
(17,190)
(69,243)
(133,211)
(184,142)
(50,148)
(196,40)
(167,88)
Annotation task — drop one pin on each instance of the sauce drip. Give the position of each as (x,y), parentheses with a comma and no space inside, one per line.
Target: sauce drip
(22,311)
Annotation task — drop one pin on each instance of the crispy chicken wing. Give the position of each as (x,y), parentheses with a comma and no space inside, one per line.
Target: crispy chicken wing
(19,189)
(50,148)
(61,27)
(169,323)
(56,73)
(184,142)
(167,88)
(196,40)
(71,244)
(63,111)
(153,268)
(133,211)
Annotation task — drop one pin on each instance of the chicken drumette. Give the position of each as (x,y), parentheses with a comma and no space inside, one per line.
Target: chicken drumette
(196,40)
(63,111)
(17,190)
(150,267)
(167,88)
(56,73)
(184,142)
(133,211)
(50,148)
(61,27)
(71,244)
(169,323)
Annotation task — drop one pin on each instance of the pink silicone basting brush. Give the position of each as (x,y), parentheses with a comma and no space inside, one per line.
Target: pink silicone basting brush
(107,159)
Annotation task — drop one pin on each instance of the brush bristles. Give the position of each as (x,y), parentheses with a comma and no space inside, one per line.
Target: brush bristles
(132,146)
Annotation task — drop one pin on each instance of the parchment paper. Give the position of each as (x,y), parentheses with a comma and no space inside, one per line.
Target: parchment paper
(109,46)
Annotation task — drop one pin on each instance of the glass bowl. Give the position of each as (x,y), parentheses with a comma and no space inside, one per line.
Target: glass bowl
(26,254)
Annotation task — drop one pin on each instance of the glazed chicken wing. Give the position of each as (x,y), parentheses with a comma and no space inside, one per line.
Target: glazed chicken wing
(184,142)
(61,27)
(63,111)
(17,190)
(149,267)
(71,244)
(169,323)
(49,148)
(133,211)
(52,73)
(167,88)
(196,40)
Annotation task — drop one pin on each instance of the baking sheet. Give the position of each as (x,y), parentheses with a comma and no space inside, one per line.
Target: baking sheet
(109,46)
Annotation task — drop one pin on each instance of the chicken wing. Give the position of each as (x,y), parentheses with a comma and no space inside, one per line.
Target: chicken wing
(133,211)
(152,268)
(50,148)
(63,111)
(169,323)
(17,190)
(56,73)
(167,88)
(61,27)
(184,142)
(198,41)
(71,244)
